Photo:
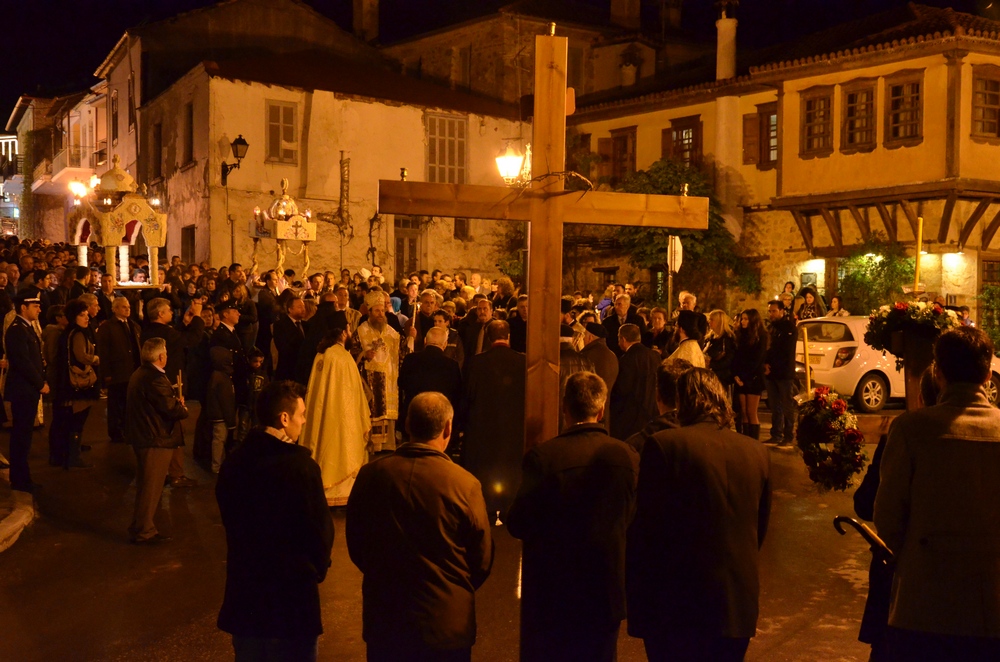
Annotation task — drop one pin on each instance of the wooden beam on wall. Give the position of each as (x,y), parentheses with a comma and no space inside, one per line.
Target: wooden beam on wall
(911,215)
(973,220)
(864,227)
(832,219)
(805,228)
(949,208)
(887,220)
(990,231)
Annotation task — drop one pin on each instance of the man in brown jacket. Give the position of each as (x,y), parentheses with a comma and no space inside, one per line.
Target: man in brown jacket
(938,509)
(418,531)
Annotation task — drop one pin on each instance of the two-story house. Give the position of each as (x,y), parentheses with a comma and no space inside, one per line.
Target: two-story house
(865,127)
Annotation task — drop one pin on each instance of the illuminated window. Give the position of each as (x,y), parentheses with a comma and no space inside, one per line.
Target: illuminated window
(986,105)
(282,133)
(903,118)
(859,119)
(817,122)
(682,141)
(446,149)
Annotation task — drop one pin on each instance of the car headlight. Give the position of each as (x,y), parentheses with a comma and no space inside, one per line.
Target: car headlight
(844,356)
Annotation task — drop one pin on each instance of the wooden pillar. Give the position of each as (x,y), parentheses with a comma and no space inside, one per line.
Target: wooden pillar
(545,241)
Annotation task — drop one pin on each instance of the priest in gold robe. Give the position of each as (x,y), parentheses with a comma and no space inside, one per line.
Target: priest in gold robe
(338,420)
(379,350)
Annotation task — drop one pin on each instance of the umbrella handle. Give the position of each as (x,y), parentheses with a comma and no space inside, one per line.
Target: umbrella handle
(876,543)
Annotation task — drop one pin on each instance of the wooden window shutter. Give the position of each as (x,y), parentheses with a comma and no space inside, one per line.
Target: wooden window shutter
(666,143)
(751,139)
(605,152)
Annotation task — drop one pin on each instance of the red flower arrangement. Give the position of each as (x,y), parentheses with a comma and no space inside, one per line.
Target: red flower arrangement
(831,444)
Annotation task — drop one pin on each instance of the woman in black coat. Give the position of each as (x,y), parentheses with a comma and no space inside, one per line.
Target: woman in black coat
(77,357)
(720,349)
(748,369)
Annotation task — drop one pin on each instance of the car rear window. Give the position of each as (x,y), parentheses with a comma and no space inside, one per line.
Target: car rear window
(826,332)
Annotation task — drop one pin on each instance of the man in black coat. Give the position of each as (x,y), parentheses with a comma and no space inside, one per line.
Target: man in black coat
(160,315)
(326,319)
(153,416)
(666,402)
(633,399)
(81,283)
(472,330)
(118,347)
(702,511)
(779,371)
(572,512)
(279,534)
(288,333)
(604,360)
(417,529)
(624,313)
(226,336)
(518,321)
(25,384)
(267,313)
(493,417)
(430,370)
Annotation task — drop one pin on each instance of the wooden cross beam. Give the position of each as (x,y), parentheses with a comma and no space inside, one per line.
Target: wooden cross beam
(546,205)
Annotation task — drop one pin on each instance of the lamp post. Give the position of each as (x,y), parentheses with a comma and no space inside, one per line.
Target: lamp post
(240,147)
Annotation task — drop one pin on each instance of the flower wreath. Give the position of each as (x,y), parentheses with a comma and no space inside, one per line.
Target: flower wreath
(831,444)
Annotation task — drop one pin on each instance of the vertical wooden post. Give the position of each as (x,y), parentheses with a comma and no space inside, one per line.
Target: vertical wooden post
(545,241)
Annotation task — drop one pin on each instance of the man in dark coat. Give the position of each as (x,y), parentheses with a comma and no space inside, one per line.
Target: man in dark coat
(633,399)
(472,331)
(666,402)
(572,512)
(106,297)
(703,505)
(326,319)
(624,313)
(118,347)
(160,315)
(267,313)
(153,416)
(417,529)
(279,534)
(289,332)
(779,371)
(226,336)
(604,360)
(25,384)
(430,370)
(570,362)
(518,321)
(81,283)
(493,420)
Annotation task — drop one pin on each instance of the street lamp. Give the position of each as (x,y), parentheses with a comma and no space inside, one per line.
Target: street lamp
(240,147)
(509,163)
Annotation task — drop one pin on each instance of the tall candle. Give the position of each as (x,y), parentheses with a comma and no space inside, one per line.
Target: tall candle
(920,245)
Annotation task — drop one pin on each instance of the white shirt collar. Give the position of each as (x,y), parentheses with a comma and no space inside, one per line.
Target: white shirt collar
(279,434)
(231,328)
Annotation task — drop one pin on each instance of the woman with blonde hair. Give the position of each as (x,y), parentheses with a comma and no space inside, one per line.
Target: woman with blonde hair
(720,348)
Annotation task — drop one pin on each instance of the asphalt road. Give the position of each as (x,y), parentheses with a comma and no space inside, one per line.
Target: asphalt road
(72,588)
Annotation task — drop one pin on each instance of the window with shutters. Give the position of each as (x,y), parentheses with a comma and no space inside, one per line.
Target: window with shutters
(682,141)
(114,118)
(858,129)
(985,101)
(462,230)
(622,153)
(188,244)
(282,132)
(131,102)
(903,109)
(817,122)
(446,148)
(760,137)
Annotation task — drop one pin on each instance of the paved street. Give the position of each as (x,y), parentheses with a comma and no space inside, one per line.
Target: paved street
(72,588)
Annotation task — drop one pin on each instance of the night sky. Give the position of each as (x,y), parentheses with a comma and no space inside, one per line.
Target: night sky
(54,46)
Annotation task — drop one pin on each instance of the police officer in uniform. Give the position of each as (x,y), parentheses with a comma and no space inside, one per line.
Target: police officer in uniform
(25,384)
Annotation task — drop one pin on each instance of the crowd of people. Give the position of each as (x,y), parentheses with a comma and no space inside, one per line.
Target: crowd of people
(404,402)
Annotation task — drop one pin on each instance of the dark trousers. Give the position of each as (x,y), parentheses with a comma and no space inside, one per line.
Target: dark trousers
(782,406)
(23,409)
(592,644)
(116,412)
(913,646)
(257,649)
(389,651)
(694,647)
(66,434)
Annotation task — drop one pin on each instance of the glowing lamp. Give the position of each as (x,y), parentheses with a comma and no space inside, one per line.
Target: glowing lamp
(509,163)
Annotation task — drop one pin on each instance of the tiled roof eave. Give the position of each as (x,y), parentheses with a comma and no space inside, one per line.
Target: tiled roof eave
(670,98)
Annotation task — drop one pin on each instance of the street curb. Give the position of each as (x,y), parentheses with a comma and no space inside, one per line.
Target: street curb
(22,515)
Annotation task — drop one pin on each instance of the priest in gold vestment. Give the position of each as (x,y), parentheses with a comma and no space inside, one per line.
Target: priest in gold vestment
(338,421)
(379,351)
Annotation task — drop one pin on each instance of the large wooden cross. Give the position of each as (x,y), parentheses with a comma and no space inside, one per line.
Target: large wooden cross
(546,205)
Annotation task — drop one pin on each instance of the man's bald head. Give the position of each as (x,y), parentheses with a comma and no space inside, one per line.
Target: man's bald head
(437,336)
(428,420)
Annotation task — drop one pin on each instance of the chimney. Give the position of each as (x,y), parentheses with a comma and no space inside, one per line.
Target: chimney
(624,13)
(725,53)
(670,14)
(366,20)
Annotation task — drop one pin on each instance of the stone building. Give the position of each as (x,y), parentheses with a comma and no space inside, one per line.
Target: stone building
(842,136)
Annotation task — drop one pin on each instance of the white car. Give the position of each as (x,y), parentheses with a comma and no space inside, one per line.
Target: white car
(841,359)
